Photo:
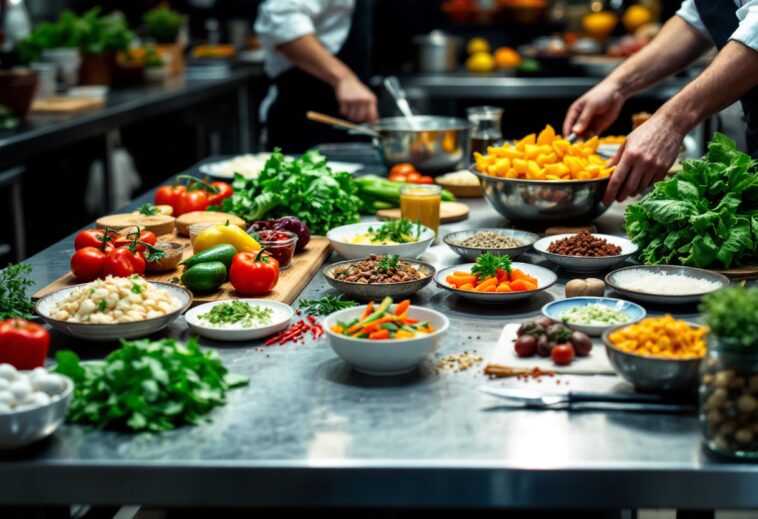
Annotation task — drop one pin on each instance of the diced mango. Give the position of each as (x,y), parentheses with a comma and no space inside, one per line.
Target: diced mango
(546,136)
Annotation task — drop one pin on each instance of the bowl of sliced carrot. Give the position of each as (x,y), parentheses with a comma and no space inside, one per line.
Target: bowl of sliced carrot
(495,279)
(385,338)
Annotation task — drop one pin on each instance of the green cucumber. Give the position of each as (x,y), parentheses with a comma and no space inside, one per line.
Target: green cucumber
(223,253)
(205,277)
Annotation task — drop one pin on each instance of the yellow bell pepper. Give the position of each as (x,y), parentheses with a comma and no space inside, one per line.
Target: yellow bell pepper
(225,233)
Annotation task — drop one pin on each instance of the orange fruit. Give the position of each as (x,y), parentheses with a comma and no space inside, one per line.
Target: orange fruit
(506,57)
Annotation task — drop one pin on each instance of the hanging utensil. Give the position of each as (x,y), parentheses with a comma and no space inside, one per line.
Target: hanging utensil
(341,123)
(392,84)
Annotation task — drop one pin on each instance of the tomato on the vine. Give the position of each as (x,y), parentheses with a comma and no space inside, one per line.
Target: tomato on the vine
(87,263)
(102,239)
(195,200)
(147,237)
(123,262)
(254,273)
(224,192)
(169,195)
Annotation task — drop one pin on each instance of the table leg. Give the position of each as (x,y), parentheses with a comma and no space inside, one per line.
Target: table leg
(243,108)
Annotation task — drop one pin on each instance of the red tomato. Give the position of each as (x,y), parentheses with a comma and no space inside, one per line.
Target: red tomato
(402,169)
(195,200)
(525,346)
(169,195)
(148,237)
(224,191)
(562,354)
(23,345)
(425,179)
(413,177)
(122,263)
(96,238)
(87,264)
(253,274)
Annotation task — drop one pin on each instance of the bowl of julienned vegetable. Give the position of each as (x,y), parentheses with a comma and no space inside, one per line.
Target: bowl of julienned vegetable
(659,354)
(391,238)
(593,315)
(385,338)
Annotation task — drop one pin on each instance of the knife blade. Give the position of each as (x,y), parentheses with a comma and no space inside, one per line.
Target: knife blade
(541,399)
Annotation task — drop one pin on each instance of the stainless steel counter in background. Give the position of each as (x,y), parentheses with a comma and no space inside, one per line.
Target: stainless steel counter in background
(309,431)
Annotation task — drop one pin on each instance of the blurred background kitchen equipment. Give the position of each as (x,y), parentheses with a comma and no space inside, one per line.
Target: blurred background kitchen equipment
(437,51)
(486,121)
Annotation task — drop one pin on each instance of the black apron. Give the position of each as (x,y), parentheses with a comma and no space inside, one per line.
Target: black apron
(298,92)
(720,19)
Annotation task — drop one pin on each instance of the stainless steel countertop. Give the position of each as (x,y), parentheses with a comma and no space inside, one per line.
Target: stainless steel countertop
(496,86)
(309,431)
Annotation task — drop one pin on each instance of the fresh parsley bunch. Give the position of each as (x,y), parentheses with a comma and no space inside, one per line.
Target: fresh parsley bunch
(732,314)
(14,284)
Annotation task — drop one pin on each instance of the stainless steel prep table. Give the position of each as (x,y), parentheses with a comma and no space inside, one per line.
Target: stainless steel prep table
(308,431)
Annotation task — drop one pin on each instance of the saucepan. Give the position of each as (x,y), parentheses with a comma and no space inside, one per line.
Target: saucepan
(433,144)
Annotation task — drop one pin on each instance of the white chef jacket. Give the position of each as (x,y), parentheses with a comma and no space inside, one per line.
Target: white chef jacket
(747,14)
(282,21)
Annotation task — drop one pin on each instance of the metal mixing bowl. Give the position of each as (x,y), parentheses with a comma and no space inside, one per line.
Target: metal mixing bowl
(653,373)
(439,145)
(554,201)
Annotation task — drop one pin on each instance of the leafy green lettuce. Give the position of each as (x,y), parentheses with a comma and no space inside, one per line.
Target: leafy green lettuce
(304,187)
(705,216)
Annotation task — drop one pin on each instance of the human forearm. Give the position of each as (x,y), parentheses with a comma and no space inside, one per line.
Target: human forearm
(307,54)
(732,73)
(677,45)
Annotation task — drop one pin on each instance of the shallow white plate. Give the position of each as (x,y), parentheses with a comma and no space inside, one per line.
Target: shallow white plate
(282,314)
(666,299)
(252,164)
(586,263)
(545,278)
(112,332)
(338,235)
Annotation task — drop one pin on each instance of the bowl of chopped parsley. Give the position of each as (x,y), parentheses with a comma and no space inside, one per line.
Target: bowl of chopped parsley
(239,319)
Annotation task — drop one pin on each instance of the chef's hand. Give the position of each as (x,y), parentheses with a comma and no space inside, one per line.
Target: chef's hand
(357,102)
(594,111)
(645,158)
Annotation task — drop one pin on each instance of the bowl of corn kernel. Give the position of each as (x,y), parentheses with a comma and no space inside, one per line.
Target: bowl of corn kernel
(544,178)
(657,353)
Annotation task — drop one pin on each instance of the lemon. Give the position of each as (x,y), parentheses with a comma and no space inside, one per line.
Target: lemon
(635,17)
(477,45)
(480,62)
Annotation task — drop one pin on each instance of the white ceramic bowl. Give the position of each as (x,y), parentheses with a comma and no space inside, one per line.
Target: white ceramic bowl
(338,235)
(586,263)
(554,309)
(282,314)
(389,357)
(112,332)
(20,428)
(660,297)
(545,278)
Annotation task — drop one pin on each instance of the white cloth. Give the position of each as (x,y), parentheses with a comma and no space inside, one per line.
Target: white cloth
(747,14)
(282,21)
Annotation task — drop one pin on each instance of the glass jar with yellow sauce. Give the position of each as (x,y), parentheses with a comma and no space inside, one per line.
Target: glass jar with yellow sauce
(422,203)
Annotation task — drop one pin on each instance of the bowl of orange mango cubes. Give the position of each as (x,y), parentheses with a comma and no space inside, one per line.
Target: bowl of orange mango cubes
(544,178)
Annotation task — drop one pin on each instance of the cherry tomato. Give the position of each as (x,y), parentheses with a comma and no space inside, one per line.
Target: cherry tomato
(169,195)
(562,354)
(413,177)
(195,200)
(425,179)
(23,344)
(253,274)
(402,169)
(526,346)
(87,263)
(398,178)
(224,191)
(122,262)
(97,238)
(148,237)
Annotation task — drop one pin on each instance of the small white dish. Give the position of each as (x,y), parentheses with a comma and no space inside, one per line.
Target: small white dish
(280,319)
(116,331)
(584,264)
(20,428)
(387,357)
(545,279)
(339,235)
(555,309)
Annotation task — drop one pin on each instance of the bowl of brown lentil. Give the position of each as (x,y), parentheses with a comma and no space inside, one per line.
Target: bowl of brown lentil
(376,277)
(473,243)
(585,252)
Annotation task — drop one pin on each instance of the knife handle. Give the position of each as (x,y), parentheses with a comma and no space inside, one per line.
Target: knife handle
(644,398)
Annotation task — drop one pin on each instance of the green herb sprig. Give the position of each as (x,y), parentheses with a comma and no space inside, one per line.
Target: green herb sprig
(399,231)
(387,263)
(487,265)
(237,312)
(14,284)
(326,305)
(147,385)
(148,209)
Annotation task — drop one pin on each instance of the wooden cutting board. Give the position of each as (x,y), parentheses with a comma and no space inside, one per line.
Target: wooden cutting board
(66,105)
(449,212)
(740,273)
(304,266)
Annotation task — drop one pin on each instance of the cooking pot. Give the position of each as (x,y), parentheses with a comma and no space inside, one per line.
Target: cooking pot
(437,52)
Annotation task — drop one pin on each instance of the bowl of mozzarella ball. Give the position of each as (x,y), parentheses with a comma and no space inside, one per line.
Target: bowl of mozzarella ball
(33,404)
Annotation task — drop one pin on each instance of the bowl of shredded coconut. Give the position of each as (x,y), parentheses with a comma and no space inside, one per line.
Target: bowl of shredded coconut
(665,284)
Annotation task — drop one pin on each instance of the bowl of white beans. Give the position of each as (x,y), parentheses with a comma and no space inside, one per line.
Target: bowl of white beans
(114,308)
(33,404)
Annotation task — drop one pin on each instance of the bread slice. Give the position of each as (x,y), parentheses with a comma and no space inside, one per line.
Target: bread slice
(184,221)
(158,223)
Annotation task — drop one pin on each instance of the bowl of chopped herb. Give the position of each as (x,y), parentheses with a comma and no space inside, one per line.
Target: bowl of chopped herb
(401,238)
(239,319)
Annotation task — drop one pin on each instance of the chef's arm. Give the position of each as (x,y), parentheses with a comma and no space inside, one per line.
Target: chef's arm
(677,45)
(356,100)
(650,150)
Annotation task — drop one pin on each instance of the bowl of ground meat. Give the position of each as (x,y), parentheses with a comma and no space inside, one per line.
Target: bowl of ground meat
(584,251)
(376,277)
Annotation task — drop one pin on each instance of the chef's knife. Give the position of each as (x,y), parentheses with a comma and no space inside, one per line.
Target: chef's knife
(542,399)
